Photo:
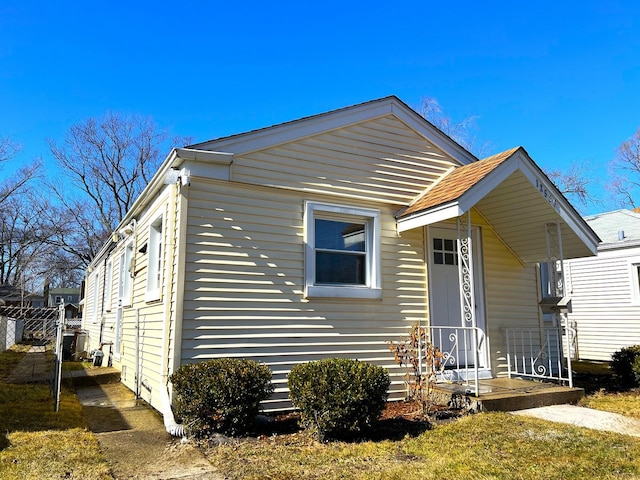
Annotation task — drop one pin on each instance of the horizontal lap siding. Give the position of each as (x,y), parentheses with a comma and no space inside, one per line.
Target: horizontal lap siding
(148,316)
(379,160)
(244,286)
(91,323)
(510,295)
(603,308)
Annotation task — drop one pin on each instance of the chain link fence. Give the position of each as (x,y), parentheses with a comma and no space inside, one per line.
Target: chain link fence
(30,324)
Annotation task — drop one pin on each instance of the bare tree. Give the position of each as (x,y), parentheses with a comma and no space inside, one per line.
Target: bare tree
(574,183)
(104,165)
(464,132)
(24,248)
(625,168)
(108,161)
(15,183)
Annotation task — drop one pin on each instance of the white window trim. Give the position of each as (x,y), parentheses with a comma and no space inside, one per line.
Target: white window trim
(373,287)
(108,286)
(634,265)
(96,290)
(125,291)
(154,268)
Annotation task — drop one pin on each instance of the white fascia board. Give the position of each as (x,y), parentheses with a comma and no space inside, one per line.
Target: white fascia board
(307,127)
(297,129)
(618,245)
(550,193)
(434,135)
(431,216)
(221,158)
(484,187)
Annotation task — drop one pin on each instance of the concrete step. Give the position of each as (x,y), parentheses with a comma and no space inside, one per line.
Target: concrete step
(89,377)
(507,395)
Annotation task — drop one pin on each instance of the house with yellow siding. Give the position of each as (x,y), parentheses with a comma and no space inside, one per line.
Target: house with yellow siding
(330,236)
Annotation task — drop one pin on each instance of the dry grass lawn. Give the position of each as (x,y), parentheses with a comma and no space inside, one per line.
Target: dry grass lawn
(38,443)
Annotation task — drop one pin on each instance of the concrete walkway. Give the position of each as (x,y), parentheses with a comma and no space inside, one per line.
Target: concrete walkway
(131,434)
(134,440)
(33,368)
(585,417)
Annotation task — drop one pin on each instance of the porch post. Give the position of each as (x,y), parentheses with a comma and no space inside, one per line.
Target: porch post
(465,270)
(467,294)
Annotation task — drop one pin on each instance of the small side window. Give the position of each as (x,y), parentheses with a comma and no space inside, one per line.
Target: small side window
(342,251)
(154,261)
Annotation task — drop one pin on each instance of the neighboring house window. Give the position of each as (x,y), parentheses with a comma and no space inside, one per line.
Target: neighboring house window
(635,282)
(107,286)
(154,261)
(58,299)
(342,251)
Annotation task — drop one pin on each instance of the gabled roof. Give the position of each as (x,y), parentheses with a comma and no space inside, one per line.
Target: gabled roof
(307,126)
(453,185)
(617,229)
(514,196)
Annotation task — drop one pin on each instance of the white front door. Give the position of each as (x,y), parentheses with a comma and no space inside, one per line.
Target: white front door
(444,297)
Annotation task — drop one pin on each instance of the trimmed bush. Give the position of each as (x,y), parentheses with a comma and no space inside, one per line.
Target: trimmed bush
(625,364)
(221,395)
(338,396)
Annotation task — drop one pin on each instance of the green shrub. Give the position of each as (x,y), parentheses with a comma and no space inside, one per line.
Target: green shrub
(625,364)
(221,395)
(338,396)
(636,369)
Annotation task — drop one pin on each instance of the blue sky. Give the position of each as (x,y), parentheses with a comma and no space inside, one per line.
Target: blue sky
(561,78)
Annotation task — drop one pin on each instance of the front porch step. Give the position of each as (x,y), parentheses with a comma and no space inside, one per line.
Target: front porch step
(507,395)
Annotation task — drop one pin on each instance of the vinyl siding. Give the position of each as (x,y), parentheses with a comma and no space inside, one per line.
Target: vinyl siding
(147,316)
(603,306)
(244,286)
(379,160)
(510,296)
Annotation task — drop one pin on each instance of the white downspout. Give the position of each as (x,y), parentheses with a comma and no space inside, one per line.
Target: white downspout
(173,428)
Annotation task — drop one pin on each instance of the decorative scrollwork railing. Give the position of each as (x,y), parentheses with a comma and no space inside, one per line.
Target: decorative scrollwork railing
(462,351)
(539,353)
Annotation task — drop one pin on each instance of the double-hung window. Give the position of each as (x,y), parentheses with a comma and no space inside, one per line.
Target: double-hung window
(154,270)
(342,257)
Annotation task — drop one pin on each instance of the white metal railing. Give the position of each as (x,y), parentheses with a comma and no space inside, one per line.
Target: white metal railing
(463,351)
(540,353)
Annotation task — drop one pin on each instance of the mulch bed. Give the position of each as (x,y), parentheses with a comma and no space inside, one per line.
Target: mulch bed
(399,419)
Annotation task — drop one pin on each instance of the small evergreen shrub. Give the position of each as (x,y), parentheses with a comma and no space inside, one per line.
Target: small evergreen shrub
(221,395)
(625,364)
(338,396)
(636,369)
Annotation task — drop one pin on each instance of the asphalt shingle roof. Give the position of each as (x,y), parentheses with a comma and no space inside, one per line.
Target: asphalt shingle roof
(457,182)
(608,224)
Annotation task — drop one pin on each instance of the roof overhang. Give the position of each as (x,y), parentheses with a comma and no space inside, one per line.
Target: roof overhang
(518,200)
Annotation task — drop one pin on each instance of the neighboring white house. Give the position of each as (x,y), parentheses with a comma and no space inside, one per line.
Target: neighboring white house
(605,290)
(328,236)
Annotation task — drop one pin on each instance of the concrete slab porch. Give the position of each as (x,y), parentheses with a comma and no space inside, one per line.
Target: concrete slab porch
(509,394)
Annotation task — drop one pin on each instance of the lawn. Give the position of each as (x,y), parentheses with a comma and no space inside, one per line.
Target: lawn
(38,443)
(481,446)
